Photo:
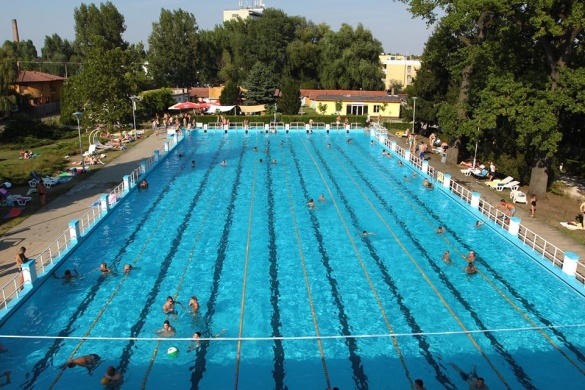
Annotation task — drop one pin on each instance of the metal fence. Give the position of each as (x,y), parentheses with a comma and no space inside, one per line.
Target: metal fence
(66,240)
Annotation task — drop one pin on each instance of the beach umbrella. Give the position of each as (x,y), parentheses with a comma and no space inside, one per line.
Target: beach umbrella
(184,106)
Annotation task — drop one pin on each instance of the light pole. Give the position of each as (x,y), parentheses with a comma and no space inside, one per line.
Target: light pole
(134,98)
(77,114)
(413,113)
(275,108)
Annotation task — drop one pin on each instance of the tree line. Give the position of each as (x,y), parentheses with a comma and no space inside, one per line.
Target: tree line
(275,51)
(508,75)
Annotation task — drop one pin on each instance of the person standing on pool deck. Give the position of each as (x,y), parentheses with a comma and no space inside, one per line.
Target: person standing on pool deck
(42,190)
(507,207)
(533,205)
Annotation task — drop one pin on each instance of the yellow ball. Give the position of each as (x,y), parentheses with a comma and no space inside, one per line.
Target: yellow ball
(105,381)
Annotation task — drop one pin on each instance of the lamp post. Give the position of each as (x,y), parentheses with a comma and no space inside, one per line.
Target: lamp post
(77,114)
(275,108)
(134,98)
(413,113)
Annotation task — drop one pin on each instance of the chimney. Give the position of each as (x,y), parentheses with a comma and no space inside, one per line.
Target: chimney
(15,31)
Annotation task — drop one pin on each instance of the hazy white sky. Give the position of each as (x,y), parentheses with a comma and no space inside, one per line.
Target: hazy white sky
(388,20)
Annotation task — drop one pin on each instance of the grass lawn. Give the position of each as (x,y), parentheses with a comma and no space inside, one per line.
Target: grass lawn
(50,161)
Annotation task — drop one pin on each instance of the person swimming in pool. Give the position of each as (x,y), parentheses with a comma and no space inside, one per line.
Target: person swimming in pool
(68,275)
(427,183)
(321,198)
(470,257)
(194,304)
(169,306)
(88,361)
(112,376)
(366,233)
(470,269)
(447,258)
(104,269)
(479,223)
(167,330)
(223,163)
(311,203)
(440,230)
(127,268)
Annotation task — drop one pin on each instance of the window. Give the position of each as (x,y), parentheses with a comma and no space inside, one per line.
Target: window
(376,108)
(408,79)
(408,69)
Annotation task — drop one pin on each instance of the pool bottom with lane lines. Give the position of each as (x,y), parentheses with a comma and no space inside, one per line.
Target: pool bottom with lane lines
(291,295)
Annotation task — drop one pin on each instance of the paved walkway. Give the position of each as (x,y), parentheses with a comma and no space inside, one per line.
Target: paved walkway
(42,228)
(39,230)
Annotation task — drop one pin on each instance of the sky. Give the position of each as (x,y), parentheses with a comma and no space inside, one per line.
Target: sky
(388,20)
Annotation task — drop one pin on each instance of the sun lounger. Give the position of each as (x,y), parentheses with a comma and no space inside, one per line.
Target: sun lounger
(513,185)
(495,183)
(518,197)
(20,200)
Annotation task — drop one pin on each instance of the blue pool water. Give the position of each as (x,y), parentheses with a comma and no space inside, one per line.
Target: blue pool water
(306,301)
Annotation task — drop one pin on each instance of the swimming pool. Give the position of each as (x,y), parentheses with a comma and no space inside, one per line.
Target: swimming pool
(305,299)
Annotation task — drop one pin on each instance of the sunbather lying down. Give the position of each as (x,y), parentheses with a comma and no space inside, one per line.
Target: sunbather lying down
(572,225)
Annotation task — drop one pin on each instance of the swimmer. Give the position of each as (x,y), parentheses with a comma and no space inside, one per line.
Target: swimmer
(470,269)
(223,163)
(413,174)
(68,276)
(281,144)
(255,148)
(195,344)
(479,223)
(143,184)
(169,306)
(311,203)
(194,304)
(274,162)
(88,361)
(400,164)
(328,146)
(193,164)
(181,154)
(167,330)
(261,160)
(104,269)
(366,233)
(266,150)
(112,375)
(127,268)
(321,198)
(440,230)
(470,257)
(427,183)
(446,257)
(405,178)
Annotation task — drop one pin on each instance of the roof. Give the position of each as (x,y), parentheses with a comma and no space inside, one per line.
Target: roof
(313,93)
(31,76)
(199,92)
(359,98)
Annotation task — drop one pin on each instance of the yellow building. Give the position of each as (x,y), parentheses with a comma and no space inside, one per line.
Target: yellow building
(373,103)
(42,89)
(398,69)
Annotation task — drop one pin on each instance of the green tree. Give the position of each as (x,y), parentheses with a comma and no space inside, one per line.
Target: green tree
(101,26)
(173,54)
(322,107)
(289,103)
(155,101)
(8,75)
(230,95)
(57,52)
(350,59)
(260,85)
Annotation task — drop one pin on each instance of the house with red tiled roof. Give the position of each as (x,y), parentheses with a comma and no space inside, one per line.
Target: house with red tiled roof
(42,89)
(374,103)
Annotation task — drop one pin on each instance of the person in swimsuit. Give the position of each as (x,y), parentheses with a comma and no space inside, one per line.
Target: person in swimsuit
(507,206)
(366,233)
(167,330)
(88,361)
(169,306)
(68,275)
(127,268)
(194,304)
(111,376)
(20,258)
(446,257)
(321,198)
(311,203)
(470,269)
(143,184)
(440,230)
(533,205)
(104,269)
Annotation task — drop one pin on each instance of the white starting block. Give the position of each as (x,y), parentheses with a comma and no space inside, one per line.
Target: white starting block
(518,196)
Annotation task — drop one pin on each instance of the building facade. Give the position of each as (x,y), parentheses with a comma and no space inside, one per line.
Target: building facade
(398,69)
(244,11)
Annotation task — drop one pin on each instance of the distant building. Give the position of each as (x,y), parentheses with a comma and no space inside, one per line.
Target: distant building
(398,68)
(244,12)
(373,103)
(43,90)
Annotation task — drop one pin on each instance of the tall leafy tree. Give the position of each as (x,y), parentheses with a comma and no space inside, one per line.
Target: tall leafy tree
(289,102)
(56,54)
(102,26)
(8,74)
(350,59)
(230,95)
(173,55)
(261,86)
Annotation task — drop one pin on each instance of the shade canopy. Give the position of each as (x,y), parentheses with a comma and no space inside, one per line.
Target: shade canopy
(184,106)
